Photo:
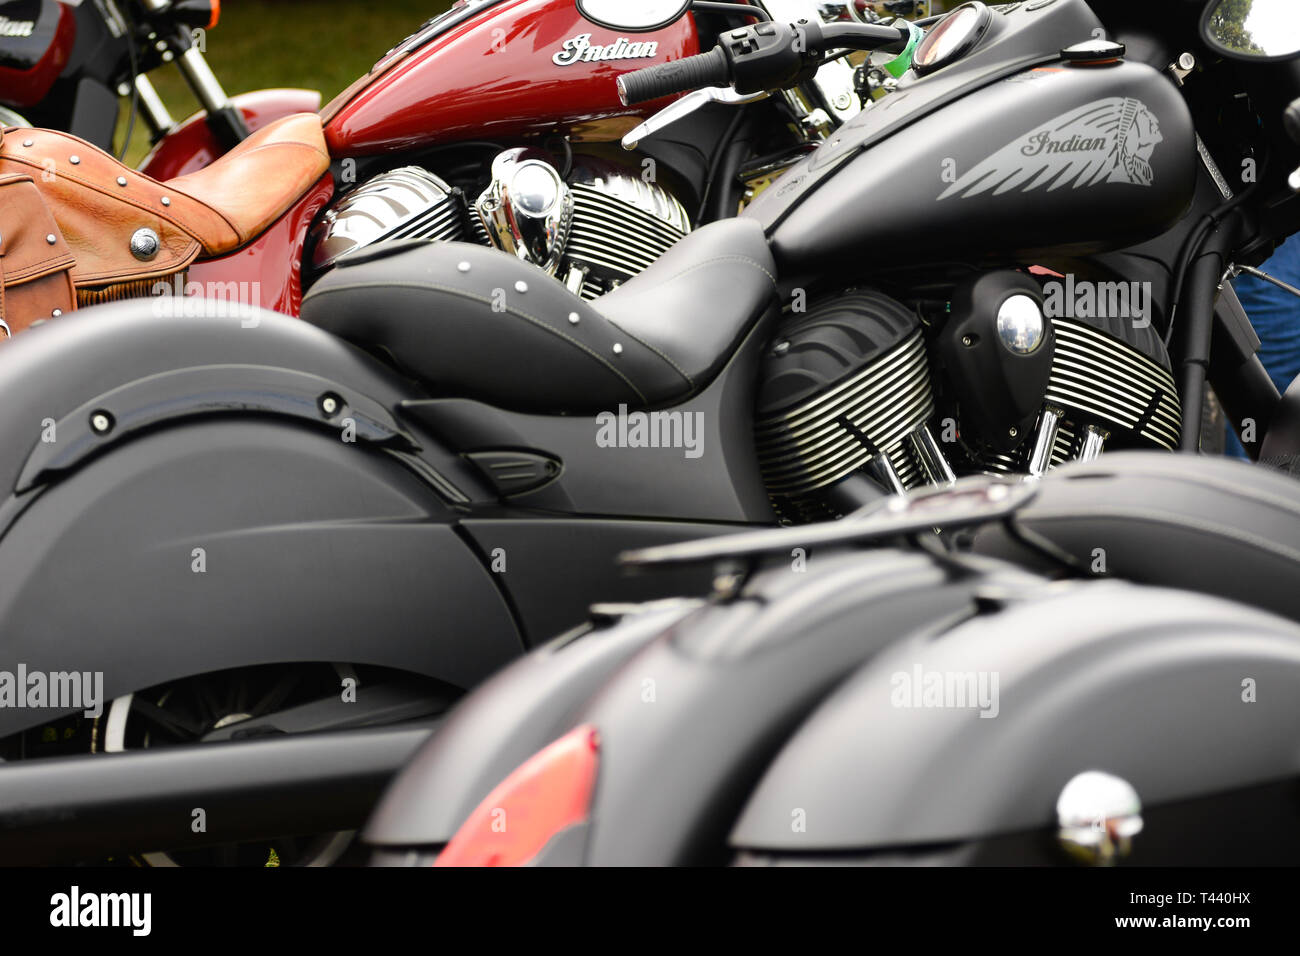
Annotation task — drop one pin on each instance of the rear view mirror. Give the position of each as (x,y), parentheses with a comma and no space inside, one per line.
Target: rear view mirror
(1253,29)
(633,16)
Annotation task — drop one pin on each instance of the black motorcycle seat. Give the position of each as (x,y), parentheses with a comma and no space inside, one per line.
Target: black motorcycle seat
(1215,525)
(477,322)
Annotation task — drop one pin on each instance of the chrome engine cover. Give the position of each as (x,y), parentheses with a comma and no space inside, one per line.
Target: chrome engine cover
(405,203)
(593,231)
(527,209)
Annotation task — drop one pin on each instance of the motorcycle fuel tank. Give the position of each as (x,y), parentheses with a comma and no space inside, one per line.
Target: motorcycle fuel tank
(498,68)
(36,38)
(1069,158)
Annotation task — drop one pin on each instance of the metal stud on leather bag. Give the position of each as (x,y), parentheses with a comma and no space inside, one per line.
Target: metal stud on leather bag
(145,244)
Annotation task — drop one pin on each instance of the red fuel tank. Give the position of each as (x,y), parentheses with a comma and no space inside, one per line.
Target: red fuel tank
(498,68)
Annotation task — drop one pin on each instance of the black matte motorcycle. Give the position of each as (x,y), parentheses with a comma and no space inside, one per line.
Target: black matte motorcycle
(891,697)
(1002,672)
(237,512)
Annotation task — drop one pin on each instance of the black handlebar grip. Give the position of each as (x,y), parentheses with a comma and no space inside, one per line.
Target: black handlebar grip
(676,76)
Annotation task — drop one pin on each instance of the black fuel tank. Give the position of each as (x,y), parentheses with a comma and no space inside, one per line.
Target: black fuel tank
(1076,159)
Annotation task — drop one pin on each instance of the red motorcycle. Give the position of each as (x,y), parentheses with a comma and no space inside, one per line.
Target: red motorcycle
(498,121)
(74,66)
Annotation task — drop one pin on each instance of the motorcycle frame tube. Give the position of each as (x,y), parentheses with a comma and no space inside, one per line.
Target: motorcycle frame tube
(1196,329)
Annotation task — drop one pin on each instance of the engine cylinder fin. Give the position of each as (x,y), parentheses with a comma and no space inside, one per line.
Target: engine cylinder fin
(615,235)
(1095,376)
(833,434)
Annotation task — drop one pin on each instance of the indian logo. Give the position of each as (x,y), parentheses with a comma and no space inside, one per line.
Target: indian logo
(16,28)
(579,49)
(1107,141)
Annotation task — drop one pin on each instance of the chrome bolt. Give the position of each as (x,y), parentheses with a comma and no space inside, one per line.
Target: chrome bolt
(573,318)
(521,286)
(101,422)
(330,404)
(51,239)
(1013,432)
(27,142)
(121,180)
(166,201)
(56,313)
(618,349)
(75,160)
(463,267)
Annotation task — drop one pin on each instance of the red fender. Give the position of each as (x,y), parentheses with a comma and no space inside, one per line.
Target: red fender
(268,271)
(191,145)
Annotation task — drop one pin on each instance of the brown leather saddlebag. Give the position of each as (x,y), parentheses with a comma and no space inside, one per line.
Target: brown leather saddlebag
(121,226)
(35,261)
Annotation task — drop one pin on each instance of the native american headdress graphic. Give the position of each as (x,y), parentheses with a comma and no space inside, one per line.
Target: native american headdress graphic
(1108,140)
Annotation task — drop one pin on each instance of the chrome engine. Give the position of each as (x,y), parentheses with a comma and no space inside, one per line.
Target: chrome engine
(592,230)
(406,203)
(847,393)
(1109,387)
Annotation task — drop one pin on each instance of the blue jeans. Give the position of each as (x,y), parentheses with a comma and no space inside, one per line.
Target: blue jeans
(1275,314)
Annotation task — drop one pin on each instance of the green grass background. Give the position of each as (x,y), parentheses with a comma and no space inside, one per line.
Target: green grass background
(316,44)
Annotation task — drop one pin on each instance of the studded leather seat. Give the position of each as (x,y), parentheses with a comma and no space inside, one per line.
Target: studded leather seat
(250,186)
(101,205)
(479,323)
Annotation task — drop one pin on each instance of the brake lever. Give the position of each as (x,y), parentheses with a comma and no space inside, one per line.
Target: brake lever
(681,108)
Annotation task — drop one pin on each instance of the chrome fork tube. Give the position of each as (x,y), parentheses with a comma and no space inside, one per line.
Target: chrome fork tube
(152,108)
(207,88)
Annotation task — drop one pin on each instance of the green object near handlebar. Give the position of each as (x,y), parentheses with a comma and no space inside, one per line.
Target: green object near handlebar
(903,62)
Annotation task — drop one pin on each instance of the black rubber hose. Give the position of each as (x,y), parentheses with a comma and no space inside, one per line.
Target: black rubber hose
(677,76)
